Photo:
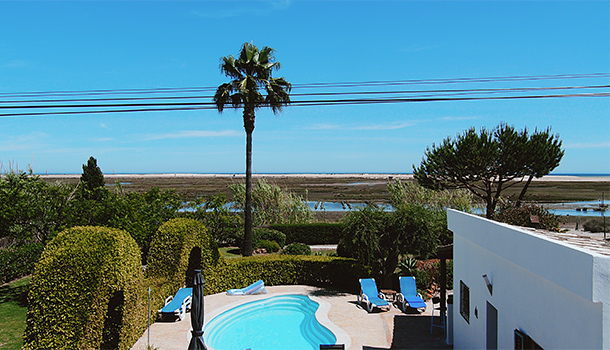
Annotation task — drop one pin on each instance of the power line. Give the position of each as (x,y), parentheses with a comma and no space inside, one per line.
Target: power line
(391,92)
(316,85)
(211,105)
(375,92)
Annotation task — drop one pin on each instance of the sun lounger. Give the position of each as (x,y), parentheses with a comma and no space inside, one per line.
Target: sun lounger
(370,295)
(408,296)
(257,287)
(178,305)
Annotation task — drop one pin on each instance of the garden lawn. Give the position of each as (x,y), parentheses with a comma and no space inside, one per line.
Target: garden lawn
(13,310)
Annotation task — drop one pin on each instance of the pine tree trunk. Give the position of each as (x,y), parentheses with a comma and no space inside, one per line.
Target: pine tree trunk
(523,190)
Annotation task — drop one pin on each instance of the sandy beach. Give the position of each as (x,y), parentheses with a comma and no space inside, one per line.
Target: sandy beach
(367,176)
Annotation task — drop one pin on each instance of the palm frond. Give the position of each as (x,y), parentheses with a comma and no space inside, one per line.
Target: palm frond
(229,68)
(251,72)
(223,96)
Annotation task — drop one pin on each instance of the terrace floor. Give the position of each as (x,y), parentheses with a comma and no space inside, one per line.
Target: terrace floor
(375,331)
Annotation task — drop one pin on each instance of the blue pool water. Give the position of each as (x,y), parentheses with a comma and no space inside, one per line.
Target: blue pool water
(277,323)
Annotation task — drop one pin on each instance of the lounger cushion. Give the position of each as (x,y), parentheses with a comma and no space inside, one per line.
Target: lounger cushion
(254,288)
(175,305)
(415,302)
(369,288)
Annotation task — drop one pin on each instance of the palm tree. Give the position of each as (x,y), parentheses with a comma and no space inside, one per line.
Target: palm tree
(250,72)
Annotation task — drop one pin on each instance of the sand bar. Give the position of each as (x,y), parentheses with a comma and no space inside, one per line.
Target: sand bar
(368,176)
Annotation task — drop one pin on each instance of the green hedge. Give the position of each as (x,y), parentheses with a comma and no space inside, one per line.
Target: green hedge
(322,271)
(172,257)
(19,261)
(318,233)
(86,292)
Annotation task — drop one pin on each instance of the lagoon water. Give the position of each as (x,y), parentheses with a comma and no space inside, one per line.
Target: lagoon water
(563,209)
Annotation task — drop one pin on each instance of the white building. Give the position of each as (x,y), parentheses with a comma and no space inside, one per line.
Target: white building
(540,289)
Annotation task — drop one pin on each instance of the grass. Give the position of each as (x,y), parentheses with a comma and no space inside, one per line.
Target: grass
(343,189)
(230,252)
(13,310)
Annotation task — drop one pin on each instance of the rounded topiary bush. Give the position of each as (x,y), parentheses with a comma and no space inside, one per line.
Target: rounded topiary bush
(178,248)
(266,234)
(269,246)
(86,292)
(297,249)
(596,225)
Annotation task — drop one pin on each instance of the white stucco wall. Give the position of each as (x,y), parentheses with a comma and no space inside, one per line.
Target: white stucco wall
(557,294)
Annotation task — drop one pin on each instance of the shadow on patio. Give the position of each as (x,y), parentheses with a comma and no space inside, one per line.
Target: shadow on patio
(413,332)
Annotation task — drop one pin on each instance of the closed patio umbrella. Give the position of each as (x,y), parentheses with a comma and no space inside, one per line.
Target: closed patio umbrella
(197,342)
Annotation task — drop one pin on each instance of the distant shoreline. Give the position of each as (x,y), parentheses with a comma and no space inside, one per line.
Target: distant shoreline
(370,176)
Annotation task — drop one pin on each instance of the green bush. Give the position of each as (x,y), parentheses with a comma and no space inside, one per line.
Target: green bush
(318,233)
(269,246)
(322,271)
(178,248)
(86,292)
(428,272)
(213,212)
(271,204)
(261,234)
(297,249)
(520,216)
(18,261)
(596,225)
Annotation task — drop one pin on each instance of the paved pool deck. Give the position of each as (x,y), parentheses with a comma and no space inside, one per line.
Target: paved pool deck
(375,331)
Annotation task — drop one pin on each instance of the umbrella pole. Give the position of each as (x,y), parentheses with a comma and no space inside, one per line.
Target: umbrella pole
(148,344)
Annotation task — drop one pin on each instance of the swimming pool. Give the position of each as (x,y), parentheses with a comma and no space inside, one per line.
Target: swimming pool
(279,322)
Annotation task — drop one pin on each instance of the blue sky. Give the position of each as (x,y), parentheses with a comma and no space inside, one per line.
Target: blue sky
(89,45)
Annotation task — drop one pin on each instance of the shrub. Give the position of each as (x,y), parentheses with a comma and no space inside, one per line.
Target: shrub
(269,246)
(520,216)
(261,234)
(427,272)
(86,292)
(322,271)
(178,248)
(272,205)
(19,261)
(317,233)
(30,209)
(297,249)
(213,212)
(596,225)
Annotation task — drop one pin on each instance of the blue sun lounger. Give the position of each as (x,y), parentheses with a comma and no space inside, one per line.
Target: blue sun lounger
(178,305)
(257,287)
(408,296)
(370,295)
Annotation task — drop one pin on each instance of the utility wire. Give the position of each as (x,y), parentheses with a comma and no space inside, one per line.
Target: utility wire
(212,105)
(391,92)
(315,85)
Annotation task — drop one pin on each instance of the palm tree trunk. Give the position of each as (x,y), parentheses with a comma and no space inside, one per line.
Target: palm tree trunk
(249,126)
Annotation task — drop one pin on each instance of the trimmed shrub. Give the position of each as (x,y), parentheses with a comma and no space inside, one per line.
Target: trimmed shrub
(267,234)
(269,246)
(178,248)
(318,233)
(520,216)
(297,249)
(19,261)
(596,225)
(86,292)
(322,271)
(260,234)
